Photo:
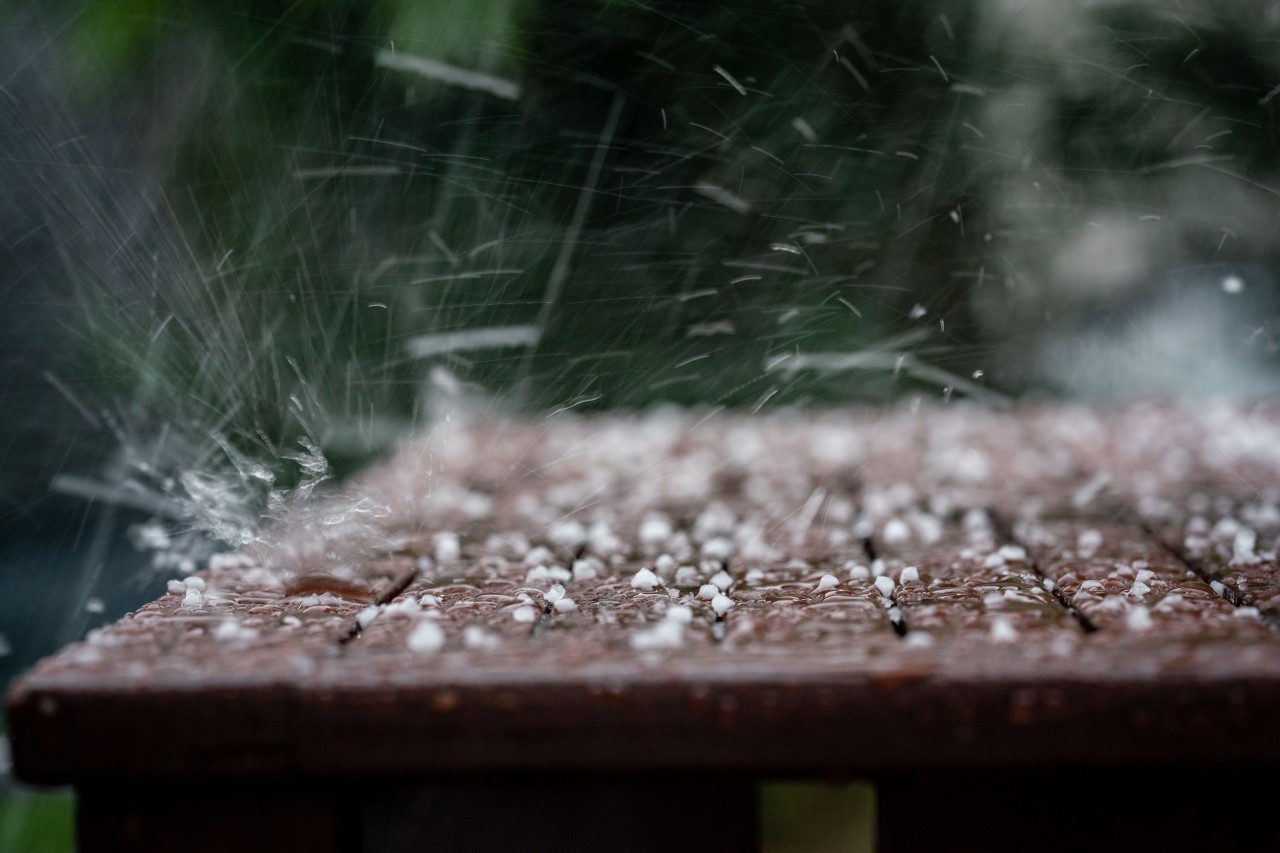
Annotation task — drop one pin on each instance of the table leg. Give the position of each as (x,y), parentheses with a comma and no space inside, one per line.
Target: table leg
(203,817)
(621,815)
(1166,809)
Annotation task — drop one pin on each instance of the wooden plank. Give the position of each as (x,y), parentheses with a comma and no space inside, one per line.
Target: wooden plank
(958,587)
(1120,578)
(286,663)
(1232,545)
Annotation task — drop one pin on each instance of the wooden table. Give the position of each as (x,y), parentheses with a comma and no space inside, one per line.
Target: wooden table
(1044,629)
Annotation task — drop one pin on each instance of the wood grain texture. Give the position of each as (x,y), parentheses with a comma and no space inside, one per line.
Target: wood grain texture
(948,588)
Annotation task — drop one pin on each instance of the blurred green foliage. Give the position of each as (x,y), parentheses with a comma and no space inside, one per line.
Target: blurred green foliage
(741,204)
(731,221)
(36,821)
(817,818)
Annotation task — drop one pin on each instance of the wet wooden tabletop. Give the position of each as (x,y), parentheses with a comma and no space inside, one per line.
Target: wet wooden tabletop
(835,593)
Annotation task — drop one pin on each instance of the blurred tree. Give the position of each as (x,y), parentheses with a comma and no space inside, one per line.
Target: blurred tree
(599,204)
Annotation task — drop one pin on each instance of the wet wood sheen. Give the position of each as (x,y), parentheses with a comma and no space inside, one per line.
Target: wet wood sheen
(922,597)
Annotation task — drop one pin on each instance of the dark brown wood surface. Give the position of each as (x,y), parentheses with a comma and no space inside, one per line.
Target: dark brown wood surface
(942,589)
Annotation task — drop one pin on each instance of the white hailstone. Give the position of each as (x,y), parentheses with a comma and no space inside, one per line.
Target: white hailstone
(645,580)
(928,527)
(655,529)
(426,638)
(565,605)
(827,582)
(1112,604)
(1139,589)
(230,560)
(537,555)
(878,568)
(195,583)
(524,613)
(586,569)
(229,630)
(910,574)
(1091,585)
(896,532)
(1225,529)
(176,587)
(193,599)
(665,564)
(568,533)
(554,594)
(1138,619)
(1232,284)
(708,591)
(976,520)
(447,547)
(1050,584)
(1217,586)
(680,547)
(679,613)
(722,580)
(686,576)
(1002,631)
(667,634)
(428,600)
(475,637)
(919,640)
(1144,576)
(716,520)
(1242,546)
(721,604)
(1088,542)
(539,575)
(755,576)
(365,617)
(407,606)
(885,585)
(859,572)
(1013,553)
(603,541)
(718,548)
